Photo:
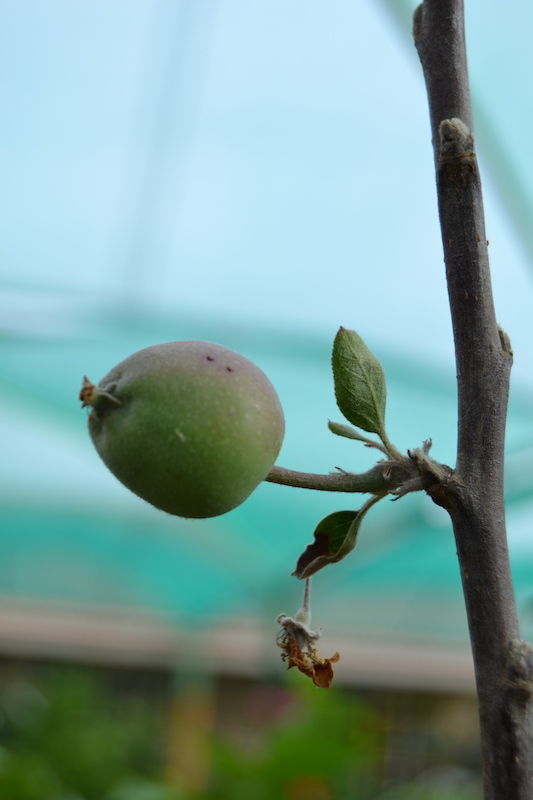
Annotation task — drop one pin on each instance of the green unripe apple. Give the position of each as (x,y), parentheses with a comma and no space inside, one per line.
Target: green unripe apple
(191,427)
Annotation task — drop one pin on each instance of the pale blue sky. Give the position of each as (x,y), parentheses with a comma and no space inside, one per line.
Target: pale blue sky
(259,161)
(251,170)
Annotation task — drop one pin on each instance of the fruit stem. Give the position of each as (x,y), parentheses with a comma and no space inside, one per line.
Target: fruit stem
(382,478)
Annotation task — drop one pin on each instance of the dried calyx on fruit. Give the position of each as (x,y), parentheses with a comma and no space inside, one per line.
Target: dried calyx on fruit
(191,427)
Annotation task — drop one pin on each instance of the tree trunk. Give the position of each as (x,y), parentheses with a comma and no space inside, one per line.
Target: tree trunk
(473,495)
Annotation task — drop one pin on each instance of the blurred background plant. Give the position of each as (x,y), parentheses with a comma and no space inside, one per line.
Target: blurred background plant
(77,734)
(64,737)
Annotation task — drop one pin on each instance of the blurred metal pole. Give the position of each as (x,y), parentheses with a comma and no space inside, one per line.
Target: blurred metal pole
(190,732)
(180,58)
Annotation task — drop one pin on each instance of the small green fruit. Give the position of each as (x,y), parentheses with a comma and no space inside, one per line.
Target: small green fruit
(191,427)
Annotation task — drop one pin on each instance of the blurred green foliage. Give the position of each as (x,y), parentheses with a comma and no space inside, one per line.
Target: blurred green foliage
(327,745)
(70,736)
(73,740)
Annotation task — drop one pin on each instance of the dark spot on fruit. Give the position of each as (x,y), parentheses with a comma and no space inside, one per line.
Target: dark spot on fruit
(229,369)
(210,358)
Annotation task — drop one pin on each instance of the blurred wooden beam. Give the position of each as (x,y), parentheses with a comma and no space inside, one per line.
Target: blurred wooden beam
(240,647)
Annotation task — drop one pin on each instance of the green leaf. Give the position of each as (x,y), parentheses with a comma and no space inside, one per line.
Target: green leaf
(347,431)
(360,387)
(335,537)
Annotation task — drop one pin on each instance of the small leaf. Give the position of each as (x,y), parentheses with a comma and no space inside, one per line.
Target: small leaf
(360,387)
(335,537)
(346,430)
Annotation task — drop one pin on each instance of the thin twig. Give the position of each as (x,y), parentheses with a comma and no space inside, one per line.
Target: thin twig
(381,478)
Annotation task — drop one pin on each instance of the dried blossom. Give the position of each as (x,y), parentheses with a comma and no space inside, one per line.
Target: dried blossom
(297,641)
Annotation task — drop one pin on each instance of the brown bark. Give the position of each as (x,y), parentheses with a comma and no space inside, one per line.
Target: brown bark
(473,496)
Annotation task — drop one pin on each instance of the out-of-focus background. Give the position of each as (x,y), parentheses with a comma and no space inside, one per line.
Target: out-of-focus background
(254,174)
